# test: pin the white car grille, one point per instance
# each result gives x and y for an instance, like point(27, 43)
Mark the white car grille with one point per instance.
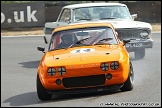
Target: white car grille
point(130, 33)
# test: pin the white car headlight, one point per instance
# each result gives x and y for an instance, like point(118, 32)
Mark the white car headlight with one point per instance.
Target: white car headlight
point(144, 34)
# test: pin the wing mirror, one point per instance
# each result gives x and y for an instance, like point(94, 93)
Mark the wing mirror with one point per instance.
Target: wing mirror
point(134, 16)
point(126, 41)
point(41, 49)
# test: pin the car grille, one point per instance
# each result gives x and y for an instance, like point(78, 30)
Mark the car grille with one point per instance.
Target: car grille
point(83, 81)
point(128, 33)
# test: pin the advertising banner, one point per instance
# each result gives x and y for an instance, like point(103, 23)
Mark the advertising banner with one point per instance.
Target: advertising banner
point(22, 15)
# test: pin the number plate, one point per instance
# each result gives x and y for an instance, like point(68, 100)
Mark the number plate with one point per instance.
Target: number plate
point(134, 45)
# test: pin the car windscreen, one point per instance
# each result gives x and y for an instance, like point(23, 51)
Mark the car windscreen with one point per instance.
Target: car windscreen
point(82, 37)
point(100, 12)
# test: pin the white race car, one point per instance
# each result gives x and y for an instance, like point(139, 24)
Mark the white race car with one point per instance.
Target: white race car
point(115, 13)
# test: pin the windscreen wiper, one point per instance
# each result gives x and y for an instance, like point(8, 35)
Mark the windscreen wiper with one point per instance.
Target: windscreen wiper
point(79, 42)
point(104, 39)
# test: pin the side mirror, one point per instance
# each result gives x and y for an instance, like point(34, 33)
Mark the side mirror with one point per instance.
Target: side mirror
point(41, 49)
point(125, 41)
point(134, 16)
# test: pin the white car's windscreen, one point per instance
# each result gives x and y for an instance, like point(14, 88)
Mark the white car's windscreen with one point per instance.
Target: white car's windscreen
point(99, 13)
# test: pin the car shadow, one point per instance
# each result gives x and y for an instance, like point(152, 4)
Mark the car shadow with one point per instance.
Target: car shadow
point(31, 98)
point(30, 64)
point(22, 99)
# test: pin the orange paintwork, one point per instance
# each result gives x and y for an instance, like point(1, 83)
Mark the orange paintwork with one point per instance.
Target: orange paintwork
point(84, 64)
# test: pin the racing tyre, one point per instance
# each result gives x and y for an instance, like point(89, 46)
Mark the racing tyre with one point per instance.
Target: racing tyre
point(41, 91)
point(140, 53)
point(129, 84)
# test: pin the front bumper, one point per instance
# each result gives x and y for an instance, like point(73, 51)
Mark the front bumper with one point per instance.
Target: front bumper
point(86, 82)
point(89, 76)
point(87, 90)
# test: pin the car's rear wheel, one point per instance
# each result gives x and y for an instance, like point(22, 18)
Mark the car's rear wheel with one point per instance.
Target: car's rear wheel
point(140, 53)
point(41, 91)
point(129, 84)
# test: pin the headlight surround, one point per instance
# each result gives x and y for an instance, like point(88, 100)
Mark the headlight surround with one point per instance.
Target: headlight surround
point(114, 65)
point(104, 66)
point(144, 34)
point(51, 71)
point(61, 70)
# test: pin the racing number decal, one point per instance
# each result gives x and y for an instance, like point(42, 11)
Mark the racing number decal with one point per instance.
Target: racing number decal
point(82, 50)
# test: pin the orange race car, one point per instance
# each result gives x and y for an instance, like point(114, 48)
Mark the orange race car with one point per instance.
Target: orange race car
point(84, 57)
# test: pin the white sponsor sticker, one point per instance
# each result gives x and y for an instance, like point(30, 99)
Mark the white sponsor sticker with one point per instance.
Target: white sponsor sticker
point(82, 50)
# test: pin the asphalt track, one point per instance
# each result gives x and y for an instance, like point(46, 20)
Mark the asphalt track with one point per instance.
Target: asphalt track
point(19, 61)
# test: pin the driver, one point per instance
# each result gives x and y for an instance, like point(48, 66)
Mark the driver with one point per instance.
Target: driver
point(66, 41)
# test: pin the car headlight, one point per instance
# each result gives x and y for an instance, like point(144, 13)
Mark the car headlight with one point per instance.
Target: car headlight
point(144, 34)
point(114, 65)
point(61, 70)
point(104, 66)
point(51, 71)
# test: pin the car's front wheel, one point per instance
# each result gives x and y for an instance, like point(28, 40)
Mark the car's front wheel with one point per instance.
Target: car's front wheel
point(41, 91)
point(140, 53)
point(129, 84)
